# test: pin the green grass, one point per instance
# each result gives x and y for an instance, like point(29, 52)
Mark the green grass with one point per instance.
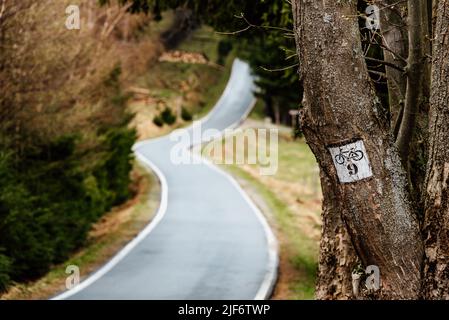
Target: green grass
point(204, 40)
point(166, 79)
point(297, 165)
point(258, 112)
point(215, 91)
point(303, 249)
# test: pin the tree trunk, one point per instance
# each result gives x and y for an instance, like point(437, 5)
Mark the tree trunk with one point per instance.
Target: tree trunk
point(342, 111)
point(394, 36)
point(418, 154)
point(415, 77)
point(277, 113)
point(395, 39)
point(436, 224)
point(337, 255)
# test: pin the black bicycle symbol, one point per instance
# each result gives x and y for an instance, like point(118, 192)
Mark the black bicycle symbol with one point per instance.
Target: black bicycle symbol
point(350, 154)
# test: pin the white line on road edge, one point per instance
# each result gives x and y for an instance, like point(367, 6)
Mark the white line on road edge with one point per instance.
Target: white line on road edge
point(228, 88)
point(131, 245)
point(266, 289)
point(270, 278)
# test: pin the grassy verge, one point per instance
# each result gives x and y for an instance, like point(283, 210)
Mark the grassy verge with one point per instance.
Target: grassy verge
point(177, 85)
point(206, 40)
point(291, 200)
point(258, 112)
point(107, 237)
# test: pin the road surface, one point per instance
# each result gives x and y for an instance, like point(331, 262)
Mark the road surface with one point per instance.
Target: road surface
point(208, 240)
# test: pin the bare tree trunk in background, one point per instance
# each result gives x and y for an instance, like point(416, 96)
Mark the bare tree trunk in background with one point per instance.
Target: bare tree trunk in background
point(394, 36)
point(416, 68)
point(340, 107)
point(436, 224)
point(277, 113)
point(427, 51)
point(418, 154)
point(126, 28)
point(394, 30)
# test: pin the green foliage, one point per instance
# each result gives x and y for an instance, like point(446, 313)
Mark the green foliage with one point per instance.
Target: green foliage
point(186, 115)
point(167, 116)
point(224, 48)
point(65, 147)
point(5, 270)
point(267, 44)
point(158, 121)
point(50, 198)
point(119, 163)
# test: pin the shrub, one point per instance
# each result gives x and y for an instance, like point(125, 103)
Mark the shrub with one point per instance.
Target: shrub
point(224, 48)
point(158, 121)
point(168, 117)
point(186, 115)
point(51, 197)
point(65, 150)
point(5, 269)
point(119, 163)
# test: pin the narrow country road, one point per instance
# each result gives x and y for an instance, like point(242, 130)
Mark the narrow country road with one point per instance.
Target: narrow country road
point(208, 240)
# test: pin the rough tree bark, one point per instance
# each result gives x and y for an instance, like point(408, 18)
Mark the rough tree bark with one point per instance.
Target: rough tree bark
point(436, 224)
point(340, 107)
point(426, 8)
point(418, 153)
point(337, 255)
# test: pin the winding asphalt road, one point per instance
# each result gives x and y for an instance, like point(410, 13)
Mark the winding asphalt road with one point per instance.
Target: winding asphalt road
point(208, 240)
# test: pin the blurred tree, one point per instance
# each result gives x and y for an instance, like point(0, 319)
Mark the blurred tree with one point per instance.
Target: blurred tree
point(261, 31)
point(65, 144)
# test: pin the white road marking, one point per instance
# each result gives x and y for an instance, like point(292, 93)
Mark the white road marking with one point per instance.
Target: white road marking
point(131, 245)
point(270, 278)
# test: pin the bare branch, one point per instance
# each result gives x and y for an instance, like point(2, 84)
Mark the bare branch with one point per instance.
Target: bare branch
point(281, 69)
point(396, 55)
point(385, 63)
point(415, 80)
point(251, 25)
point(380, 74)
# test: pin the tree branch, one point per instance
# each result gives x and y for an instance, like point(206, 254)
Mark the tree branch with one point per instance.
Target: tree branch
point(386, 63)
point(280, 69)
point(396, 55)
point(250, 25)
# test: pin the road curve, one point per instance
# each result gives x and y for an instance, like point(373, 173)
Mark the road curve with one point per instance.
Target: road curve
point(208, 240)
